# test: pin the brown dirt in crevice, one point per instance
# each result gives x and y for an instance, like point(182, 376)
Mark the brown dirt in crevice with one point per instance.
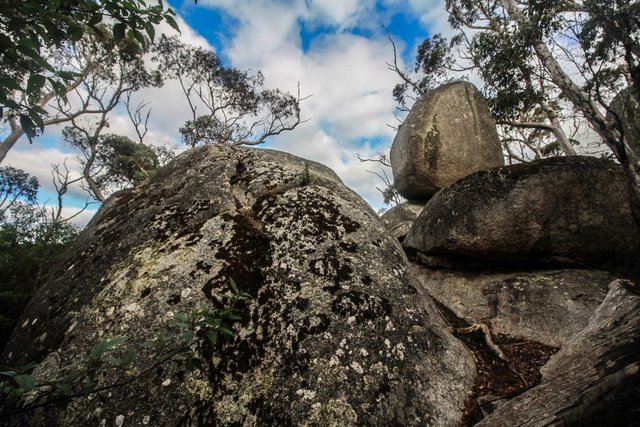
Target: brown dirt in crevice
point(508, 378)
point(505, 378)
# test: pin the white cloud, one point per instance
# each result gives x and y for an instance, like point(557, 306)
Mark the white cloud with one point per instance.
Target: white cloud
point(346, 74)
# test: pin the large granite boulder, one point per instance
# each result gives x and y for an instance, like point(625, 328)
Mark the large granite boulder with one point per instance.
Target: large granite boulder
point(334, 333)
point(448, 134)
point(549, 307)
point(399, 219)
point(562, 211)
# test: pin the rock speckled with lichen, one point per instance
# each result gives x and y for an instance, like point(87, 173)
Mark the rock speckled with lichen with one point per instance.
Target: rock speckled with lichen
point(334, 335)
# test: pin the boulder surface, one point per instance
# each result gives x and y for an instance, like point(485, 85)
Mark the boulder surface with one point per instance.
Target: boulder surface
point(564, 211)
point(448, 134)
point(549, 307)
point(594, 380)
point(334, 333)
point(399, 219)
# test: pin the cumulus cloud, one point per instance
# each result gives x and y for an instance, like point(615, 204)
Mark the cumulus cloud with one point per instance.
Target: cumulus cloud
point(345, 73)
point(343, 70)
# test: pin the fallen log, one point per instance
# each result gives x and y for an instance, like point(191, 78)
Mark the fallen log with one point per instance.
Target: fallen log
point(594, 379)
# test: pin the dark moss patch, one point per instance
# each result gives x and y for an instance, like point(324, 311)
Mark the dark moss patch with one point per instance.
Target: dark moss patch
point(145, 292)
point(244, 258)
point(173, 299)
point(319, 214)
point(351, 247)
point(332, 266)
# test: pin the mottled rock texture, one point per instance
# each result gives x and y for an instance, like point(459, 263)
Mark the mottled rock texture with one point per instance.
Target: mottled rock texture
point(594, 380)
point(448, 134)
point(399, 219)
point(549, 307)
point(334, 333)
point(565, 211)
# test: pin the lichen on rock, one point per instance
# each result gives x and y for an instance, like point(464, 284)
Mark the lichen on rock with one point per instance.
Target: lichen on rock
point(333, 332)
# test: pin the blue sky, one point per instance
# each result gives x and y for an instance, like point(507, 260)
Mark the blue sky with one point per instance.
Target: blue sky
point(335, 50)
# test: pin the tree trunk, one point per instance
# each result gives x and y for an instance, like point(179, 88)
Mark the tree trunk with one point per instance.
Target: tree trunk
point(595, 379)
point(581, 100)
point(8, 143)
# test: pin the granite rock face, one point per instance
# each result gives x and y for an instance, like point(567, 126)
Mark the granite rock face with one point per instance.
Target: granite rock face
point(334, 332)
point(563, 211)
point(549, 307)
point(399, 219)
point(448, 134)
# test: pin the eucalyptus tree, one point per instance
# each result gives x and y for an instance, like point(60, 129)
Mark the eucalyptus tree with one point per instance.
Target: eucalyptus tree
point(31, 30)
point(546, 64)
point(227, 105)
point(109, 86)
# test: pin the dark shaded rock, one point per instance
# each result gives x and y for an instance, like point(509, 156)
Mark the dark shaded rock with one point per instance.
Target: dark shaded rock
point(333, 334)
point(399, 219)
point(564, 211)
point(549, 307)
point(595, 379)
point(448, 134)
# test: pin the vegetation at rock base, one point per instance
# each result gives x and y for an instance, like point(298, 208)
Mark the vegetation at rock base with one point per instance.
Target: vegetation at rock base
point(30, 240)
point(119, 358)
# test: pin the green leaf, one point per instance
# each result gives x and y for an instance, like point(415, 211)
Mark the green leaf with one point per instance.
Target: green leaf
point(28, 126)
point(88, 388)
point(10, 84)
point(151, 31)
point(212, 336)
point(63, 388)
point(172, 22)
point(118, 32)
point(138, 36)
point(35, 84)
point(234, 286)
point(188, 337)
point(129, 357)
point(105, 345)
point(225, 331)
point(26, 382)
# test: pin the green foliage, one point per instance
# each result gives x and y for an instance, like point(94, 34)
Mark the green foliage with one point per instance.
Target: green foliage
point(118, 358)
point(15, 185)
point(29, 242)
point(228, 105)
point(121, 162)
point(306, 175)
point(126, 160)
point(29, 28)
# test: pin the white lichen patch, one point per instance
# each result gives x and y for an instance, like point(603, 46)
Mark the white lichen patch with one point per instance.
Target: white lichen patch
point(306, 394)
point(356, 367)
point(198, 386)
point(185, 293)
point(336, 412)
point(398, 351)
point(234, 408)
